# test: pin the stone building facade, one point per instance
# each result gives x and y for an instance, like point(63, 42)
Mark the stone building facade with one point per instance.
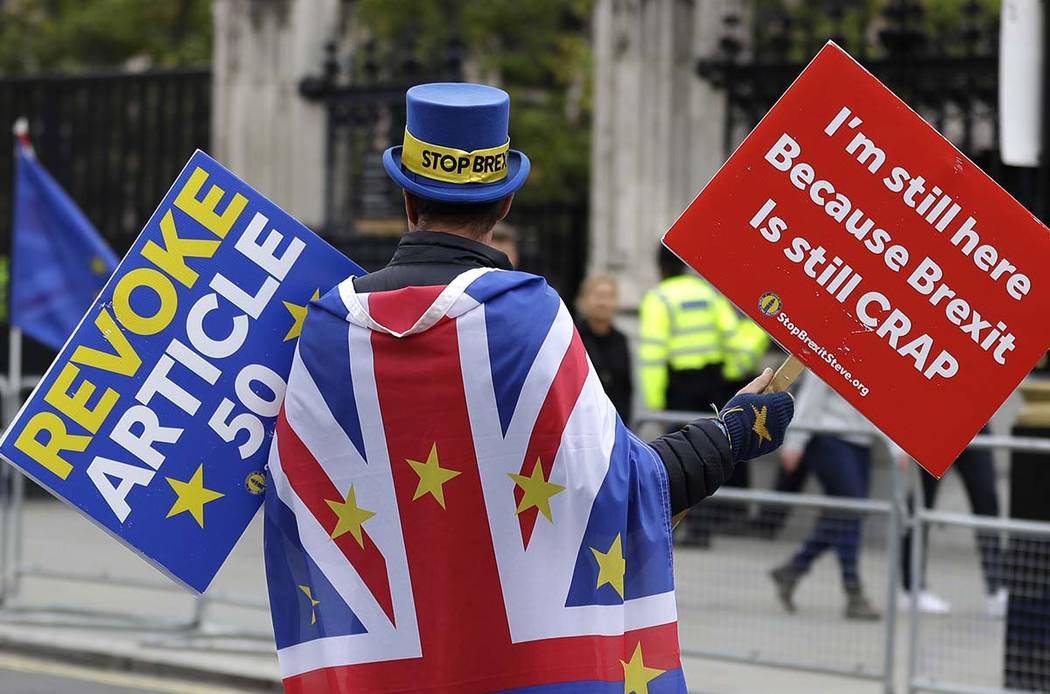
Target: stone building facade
point(658, 128)
point(262, 128)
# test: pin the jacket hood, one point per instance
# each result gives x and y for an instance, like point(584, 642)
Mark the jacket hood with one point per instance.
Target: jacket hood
point(405, 312)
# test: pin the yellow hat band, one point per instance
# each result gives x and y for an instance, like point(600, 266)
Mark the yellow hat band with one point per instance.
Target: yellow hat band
point(454, 165)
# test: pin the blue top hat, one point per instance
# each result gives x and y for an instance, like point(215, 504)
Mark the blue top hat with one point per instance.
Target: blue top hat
point(456, 146)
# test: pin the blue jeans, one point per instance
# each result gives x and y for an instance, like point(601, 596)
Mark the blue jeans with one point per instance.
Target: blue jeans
point(843, 469)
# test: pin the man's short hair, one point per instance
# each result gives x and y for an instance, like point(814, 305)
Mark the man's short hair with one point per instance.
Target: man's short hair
point(478, 217)
point(670, 264)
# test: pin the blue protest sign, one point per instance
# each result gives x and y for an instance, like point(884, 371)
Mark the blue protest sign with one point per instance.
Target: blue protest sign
point(156, 418)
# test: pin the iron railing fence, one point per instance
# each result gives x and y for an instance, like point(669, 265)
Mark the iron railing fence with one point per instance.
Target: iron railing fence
point(114, 141)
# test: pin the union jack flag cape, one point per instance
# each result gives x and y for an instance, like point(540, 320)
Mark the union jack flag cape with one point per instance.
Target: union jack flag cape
point(454, 505)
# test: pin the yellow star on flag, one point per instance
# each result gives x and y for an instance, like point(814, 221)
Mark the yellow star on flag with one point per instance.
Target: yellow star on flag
point(432, 476)
point(98, 265)
point(313, 603)
point(538, 491)
point(636, 676)
point(611, 566)
point(350, 516)
point(192, 495)
point(298, 315)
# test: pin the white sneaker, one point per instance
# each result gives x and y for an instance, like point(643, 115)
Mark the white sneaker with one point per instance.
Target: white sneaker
point(929, 603)
point(995, 604)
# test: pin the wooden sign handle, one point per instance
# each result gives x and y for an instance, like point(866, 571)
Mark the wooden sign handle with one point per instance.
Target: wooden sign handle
point(783, 377)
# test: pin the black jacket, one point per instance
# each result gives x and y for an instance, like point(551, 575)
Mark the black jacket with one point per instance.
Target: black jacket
point(612, 362)
point(697, 456)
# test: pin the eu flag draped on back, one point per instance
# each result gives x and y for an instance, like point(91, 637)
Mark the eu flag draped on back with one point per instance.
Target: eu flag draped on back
point(59, 261)
point(455, 506)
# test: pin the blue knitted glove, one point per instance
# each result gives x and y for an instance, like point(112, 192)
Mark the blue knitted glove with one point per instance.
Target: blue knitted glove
point(756, 423)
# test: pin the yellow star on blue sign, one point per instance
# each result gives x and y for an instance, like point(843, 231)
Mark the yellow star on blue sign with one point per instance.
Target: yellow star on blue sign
point(192, 495)
point(298, 315)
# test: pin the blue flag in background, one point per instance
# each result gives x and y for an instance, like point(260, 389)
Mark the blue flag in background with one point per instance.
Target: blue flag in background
point(59, 261)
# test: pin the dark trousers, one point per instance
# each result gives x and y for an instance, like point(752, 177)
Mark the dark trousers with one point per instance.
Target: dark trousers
point(772, 517)
point(844, 470)
point(1027, 647)
point(792, 481)
point(1027, 643)
point(978, 473)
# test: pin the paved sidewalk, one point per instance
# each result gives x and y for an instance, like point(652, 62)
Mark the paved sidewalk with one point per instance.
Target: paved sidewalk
point(59, 539)
point(725, 603)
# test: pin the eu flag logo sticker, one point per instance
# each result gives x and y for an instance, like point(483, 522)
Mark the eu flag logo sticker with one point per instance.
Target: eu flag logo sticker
point(155, 420)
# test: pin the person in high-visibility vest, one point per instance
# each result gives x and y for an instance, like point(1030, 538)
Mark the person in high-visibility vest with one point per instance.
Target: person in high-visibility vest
point(685, 327)
point(743, 351)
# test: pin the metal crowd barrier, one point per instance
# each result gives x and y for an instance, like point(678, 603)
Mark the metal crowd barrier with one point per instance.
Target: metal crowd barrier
point(14, 569)
point(959, 652)
point(865, 651)
point(985, 441)
point(967, 650)
point(827, 644)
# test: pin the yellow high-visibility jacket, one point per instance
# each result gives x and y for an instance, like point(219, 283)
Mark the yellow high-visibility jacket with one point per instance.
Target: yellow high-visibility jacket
point(685, 324)
point(743, 350)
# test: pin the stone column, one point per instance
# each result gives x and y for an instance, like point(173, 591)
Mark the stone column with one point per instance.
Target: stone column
point(262, 129)
point(657, 129)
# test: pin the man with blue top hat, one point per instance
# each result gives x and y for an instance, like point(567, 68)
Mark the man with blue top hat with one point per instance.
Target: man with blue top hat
point(470, 512)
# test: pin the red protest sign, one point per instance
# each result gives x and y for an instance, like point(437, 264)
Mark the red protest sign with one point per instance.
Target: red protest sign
point(872, 249)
